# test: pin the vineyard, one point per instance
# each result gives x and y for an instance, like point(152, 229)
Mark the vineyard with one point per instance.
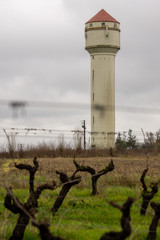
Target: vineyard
point(80, 198)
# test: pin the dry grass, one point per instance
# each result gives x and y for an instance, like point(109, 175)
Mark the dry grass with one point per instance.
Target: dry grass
point(126, 173)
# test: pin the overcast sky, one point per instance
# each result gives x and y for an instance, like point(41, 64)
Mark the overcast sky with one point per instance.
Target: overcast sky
point(42, 58)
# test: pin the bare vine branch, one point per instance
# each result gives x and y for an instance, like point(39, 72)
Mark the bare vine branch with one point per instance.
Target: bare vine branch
point(30, 205)
point(153, 226)
point(95, 176)
point(146, 194)
point(32, 171)
point(42, 226)
point(67, 184)
point(125, 221)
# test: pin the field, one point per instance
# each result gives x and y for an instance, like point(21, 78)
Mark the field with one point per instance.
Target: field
point(81, 216)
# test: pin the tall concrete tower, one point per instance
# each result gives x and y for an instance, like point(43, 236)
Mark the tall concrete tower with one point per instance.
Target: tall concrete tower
point(102, 36)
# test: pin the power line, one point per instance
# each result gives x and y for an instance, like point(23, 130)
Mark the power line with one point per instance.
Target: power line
point(48, 130)
point(36, 129)
point(15, 104)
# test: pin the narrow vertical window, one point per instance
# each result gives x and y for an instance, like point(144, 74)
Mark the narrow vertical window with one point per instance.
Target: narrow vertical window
point(93, 79)
point(93, 119)
point(107, 32)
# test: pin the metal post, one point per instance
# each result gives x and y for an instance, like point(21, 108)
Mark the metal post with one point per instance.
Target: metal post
point(84, 133)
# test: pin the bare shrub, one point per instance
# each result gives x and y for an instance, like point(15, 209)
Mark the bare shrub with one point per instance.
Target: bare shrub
point(11, 143)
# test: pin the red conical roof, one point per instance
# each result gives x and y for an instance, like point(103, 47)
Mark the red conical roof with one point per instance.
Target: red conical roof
point(102, 16)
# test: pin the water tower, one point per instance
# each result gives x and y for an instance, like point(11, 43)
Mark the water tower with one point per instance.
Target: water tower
point(102, 41)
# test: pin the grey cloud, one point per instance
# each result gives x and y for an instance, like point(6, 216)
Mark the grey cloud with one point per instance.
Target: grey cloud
point(42, 56)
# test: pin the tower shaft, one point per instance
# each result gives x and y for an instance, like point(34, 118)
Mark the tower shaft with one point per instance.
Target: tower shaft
point(102, 100)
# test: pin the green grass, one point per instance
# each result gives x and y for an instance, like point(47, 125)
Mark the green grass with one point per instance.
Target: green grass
point(81, 216)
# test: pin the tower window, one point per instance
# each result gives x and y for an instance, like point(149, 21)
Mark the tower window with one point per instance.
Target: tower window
point(93, 74)
point(115, 25)
point(107, 32)
point(90, 25)
point(93, 119)
point(103, 24)
point(92, 56)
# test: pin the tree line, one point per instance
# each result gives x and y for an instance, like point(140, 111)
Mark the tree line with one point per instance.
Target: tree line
point(129, 141)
